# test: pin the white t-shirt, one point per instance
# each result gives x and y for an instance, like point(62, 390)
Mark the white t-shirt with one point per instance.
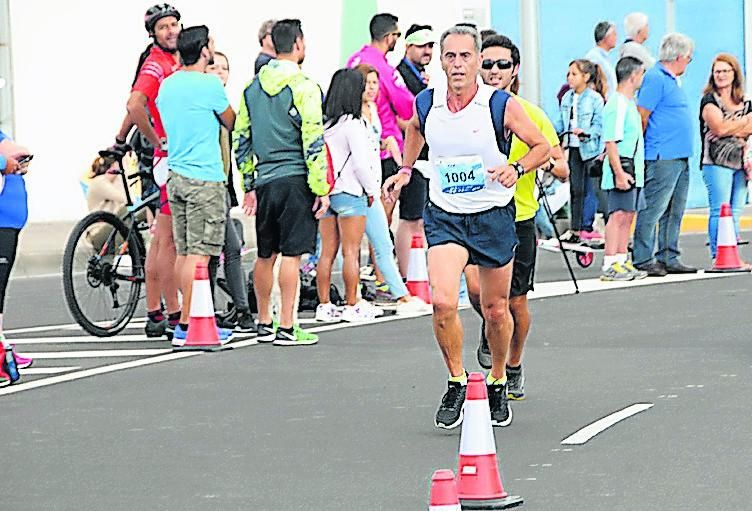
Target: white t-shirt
point(574, 140)
point(462, 147)
point(374, 138)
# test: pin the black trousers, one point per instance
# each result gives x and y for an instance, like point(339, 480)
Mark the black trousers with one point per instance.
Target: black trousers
point(8, 247)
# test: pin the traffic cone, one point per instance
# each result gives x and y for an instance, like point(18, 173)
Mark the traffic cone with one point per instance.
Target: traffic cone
point(417, 272)
point(727, 256)
point(478, 480)
point(443, 492)
point(202, 326)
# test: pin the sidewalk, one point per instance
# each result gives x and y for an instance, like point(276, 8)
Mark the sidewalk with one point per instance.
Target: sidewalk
point(41, 245)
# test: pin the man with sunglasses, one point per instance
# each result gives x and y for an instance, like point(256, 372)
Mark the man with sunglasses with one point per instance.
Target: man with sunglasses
point(500, 66)
point(469, 219)
point(394, 99)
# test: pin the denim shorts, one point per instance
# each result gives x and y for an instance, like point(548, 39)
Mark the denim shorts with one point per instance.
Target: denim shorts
point(345, 205)
point(625, 200)
point(490, 236)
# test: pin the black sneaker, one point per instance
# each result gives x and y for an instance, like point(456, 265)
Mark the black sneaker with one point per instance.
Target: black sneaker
point(516, 383)
point(449, 414)
point(245, 323)
point(570, 237)
point(501, 412)
point(484, 352)
point(227, 320)
point(265, 333)
point(155, 328)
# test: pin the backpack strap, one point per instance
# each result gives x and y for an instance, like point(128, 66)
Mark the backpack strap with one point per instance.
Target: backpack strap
point(498, 105)
point(423, 104)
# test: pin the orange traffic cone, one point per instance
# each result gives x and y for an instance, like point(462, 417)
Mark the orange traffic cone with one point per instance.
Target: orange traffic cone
point(202, 327)
point(417, 272)
point(478, 480)
point(443, 492)
point(727, 256)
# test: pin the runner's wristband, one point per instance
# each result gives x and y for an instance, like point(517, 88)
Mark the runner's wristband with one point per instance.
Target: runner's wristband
point(408, 171)
point(519, 168)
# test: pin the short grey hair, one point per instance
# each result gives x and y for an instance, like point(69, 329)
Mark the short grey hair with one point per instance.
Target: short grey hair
point(634, 22)
point(601, 30)
point(461, 30)
point(266, 28)
point(675, 45)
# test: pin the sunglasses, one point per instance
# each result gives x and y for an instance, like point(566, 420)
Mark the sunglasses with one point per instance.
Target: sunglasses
point(398, 34)
point(502, 64)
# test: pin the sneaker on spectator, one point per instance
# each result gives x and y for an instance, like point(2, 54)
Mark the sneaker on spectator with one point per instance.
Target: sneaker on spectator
point(616, 273)
point(224, 334)
point(375, 311)
point(155, 328)
point(367, 273)
point(298, 337)
point(590, 235)
point(384, 298)
point(636, 274)
point(179, 337)
point(265, 333)
point(357, 313)
point(21, 362)
point(570, 237)
point(413, 305)
point(327, 312)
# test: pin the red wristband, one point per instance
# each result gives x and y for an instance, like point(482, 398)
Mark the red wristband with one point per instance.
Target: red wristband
point(408, 171)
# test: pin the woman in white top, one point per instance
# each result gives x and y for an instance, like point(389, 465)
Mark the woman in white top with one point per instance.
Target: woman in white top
point(353, 193)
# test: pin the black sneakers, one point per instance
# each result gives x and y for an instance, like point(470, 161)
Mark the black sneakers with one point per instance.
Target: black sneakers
point(245, 323)
point(501, 412)
point(449, 414)
point(516, 383)
point(155, 328)
point(484, 352)
point(265, 333)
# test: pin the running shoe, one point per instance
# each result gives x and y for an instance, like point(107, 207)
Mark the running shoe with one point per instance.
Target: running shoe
point(5, 379)
point(244, 322)
point(327, 312)
point(375, 311)
point(449, 414)
point(590, 235)
point(413, 305)
point(367, 273)
point(498, 402)
point(357, 313)
point(265, 333)
point(180, 336)
point(636, 274)
point(516, 383)
point(616, 273)
point(570, 237)
point(155, 328)
point(484, 352)
point(285, 337)
point(8, 366)
point(21, 362)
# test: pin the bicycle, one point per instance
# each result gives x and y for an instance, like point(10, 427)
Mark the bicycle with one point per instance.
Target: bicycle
point(104, 261)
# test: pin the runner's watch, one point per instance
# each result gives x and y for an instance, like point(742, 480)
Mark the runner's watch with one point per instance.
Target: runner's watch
point(519, 168)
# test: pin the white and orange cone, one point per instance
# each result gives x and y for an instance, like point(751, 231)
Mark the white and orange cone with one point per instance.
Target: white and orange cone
point(202, 327)
point(443, 492)
point(727, 256)
point(417, 270)
point(478, 480)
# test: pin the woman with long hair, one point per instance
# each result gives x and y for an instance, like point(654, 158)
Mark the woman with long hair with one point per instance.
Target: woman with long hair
point(353, 193)
point(581, 121)
point(725, 126)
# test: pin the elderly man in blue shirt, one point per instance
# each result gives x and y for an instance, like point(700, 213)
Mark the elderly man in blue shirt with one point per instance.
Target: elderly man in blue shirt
point(669, 136)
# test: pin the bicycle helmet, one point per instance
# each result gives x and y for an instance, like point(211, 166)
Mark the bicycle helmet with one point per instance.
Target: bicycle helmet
point(156, 13)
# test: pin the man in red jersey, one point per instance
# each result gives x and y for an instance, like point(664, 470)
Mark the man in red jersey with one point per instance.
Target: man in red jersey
point(162, 22)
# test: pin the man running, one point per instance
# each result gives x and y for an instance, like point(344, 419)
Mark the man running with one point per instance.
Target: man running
point(470, 215)
point(500, 66)
point(279, 146)
point(162, 22)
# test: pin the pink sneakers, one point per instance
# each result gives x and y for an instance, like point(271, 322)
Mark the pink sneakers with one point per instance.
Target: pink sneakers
point(590, 235)
point(21, 362)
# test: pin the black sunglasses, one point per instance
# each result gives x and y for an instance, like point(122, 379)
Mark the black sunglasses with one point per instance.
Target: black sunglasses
point(488, 64)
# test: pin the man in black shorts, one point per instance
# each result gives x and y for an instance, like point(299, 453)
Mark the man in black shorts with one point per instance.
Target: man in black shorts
point(280, 126)
point(419, 41)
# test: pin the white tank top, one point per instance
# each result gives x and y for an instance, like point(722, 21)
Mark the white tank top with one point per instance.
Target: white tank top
point(462, 147)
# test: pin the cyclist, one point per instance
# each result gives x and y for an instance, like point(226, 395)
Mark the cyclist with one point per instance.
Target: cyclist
point(162, 22)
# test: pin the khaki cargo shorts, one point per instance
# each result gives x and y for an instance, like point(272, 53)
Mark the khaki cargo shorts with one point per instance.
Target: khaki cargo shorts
point(198, 215)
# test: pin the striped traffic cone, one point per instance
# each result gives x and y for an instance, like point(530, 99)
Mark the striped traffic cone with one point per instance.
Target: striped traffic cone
point(443, 492)
point(478, 480)
point(727, 257)
point(417, 271)
point(202, 326)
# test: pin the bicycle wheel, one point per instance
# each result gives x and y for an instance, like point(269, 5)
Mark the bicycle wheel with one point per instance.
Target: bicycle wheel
point(102, 274)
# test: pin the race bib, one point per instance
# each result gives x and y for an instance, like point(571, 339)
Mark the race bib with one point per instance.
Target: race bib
point(160, 170)
point(461, 174)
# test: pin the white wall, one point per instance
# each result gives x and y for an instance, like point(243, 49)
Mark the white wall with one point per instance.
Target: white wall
point(73, 66)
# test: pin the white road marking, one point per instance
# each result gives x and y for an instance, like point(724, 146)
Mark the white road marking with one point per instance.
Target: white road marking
point(47, 370)
point(589, 431)
point(95, 371)
point(95, 353)
point(89, 340)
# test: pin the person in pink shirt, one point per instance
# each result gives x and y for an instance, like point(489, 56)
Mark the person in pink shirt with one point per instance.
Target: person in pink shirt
point(394, 100)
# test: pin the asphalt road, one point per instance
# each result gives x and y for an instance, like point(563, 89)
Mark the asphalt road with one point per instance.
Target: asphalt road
point(347, 424)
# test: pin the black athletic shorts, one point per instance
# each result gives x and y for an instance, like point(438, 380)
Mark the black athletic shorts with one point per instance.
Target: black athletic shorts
point(413, 197)
point(285, 222)
point(523, 271)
